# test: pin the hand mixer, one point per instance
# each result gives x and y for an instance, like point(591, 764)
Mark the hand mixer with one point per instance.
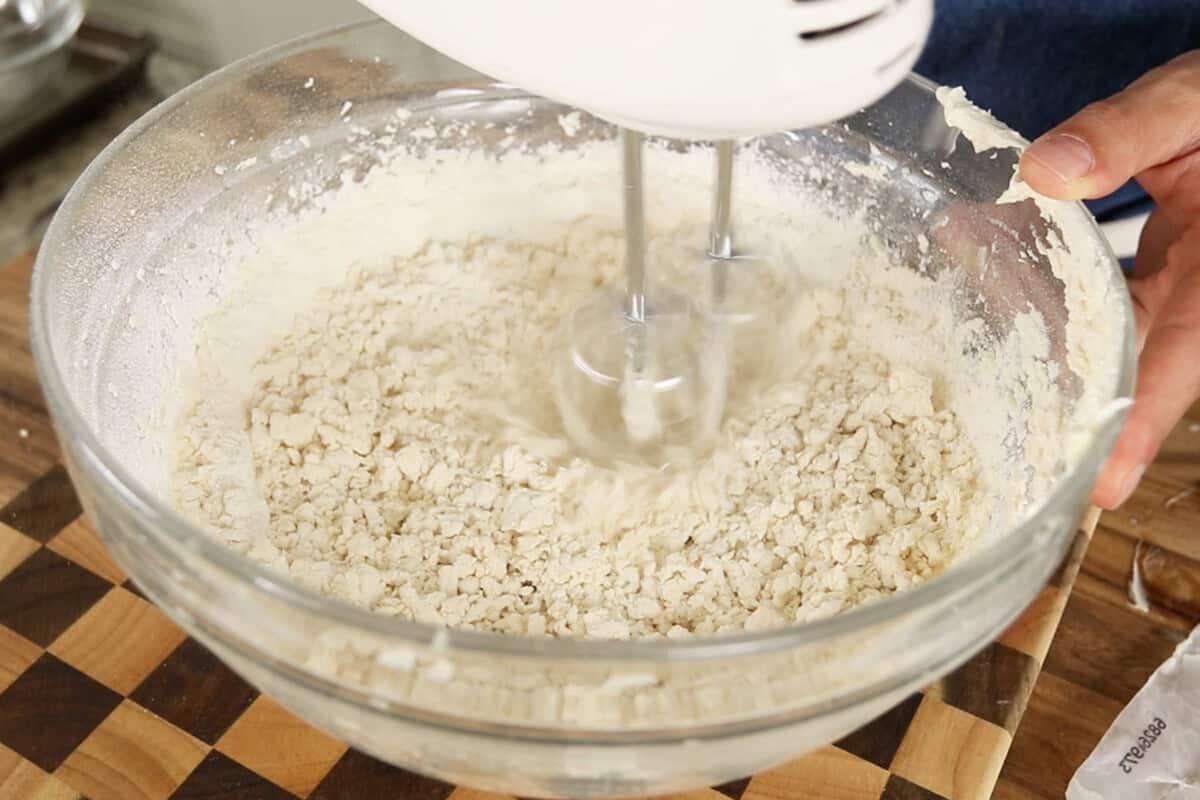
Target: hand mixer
point(691, 69)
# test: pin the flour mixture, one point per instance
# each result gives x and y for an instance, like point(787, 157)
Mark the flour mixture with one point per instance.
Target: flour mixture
point(387, 435)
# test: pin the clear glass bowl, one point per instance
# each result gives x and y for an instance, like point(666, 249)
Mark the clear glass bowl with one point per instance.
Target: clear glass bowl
point(523, 716)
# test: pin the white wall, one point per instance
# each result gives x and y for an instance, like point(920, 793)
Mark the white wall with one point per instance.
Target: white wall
point(211, 33)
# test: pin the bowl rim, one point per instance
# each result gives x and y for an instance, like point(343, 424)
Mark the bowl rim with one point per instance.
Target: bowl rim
point(161, 519)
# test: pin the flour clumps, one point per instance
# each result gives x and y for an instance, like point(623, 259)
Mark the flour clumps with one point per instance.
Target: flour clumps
point(399, 448)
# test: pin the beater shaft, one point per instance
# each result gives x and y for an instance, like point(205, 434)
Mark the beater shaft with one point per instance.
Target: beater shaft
point(635, 227)
point(720, 246)
point(721, 238)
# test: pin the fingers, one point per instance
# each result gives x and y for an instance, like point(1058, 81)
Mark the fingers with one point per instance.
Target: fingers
point(1150, 131)
point(1152, 122)
point(1169, 370)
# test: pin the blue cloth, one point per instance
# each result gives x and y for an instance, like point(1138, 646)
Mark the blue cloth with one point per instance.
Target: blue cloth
point(1034, 63)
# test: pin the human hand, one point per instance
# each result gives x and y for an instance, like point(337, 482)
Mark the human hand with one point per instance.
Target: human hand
point(1151, 132)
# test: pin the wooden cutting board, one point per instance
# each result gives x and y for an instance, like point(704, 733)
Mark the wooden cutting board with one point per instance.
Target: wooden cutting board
point(102, 696)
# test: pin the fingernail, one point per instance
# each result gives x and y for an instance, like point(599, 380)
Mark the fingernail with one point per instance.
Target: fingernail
point(1130, 483)
point(1068, 157)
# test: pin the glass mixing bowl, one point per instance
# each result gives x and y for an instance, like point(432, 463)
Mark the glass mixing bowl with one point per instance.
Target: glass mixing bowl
point(151, 223)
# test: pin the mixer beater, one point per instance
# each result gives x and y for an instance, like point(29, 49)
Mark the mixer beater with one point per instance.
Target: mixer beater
point(646, 371)
point(658, 392)
point(635, 372)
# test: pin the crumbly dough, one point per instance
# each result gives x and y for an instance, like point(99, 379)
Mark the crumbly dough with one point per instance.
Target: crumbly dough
point(404, 439)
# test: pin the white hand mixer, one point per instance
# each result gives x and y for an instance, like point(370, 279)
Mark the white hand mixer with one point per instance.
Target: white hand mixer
point(692, 69)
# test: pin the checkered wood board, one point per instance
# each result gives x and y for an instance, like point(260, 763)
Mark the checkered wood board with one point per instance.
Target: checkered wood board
point(103, 697)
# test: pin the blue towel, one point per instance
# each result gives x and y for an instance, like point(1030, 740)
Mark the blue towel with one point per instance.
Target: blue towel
point(1034, 63)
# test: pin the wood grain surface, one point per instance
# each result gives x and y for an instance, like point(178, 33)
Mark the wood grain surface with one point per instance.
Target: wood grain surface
point(27, 445)
point(1105, 649)
point(188, 727)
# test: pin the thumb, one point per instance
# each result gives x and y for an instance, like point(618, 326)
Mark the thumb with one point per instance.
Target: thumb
point(1155, 120)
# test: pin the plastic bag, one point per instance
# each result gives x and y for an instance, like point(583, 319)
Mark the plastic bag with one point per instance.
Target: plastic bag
point(1152, 750)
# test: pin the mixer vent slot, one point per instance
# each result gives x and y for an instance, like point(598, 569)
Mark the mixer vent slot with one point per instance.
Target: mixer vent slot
point(820, 33)
point(810, 36)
